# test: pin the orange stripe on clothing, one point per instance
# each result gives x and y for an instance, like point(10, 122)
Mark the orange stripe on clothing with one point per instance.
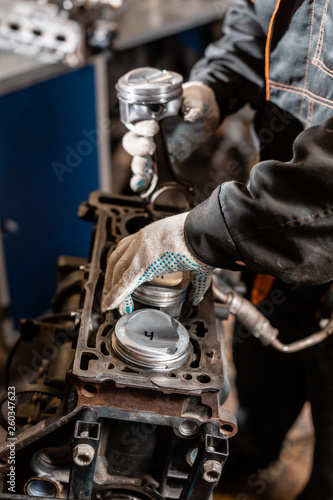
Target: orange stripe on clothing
point(261, 288)
point(268, 44)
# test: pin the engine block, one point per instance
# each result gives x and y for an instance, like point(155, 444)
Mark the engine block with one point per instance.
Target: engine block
point(95, 425)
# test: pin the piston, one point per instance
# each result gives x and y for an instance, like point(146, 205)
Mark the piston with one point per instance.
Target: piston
point(151, 340)
point(154, 94)
point(166, 293)
point(149, 93)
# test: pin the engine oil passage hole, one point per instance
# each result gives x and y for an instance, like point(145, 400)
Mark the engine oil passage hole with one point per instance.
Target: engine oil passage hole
point(105, 332)
point(87, 360)
point(89, 390)
point(14, 27)
point(227, 428)
point(203, 378)
point(196, 356)
point(187, 376)
point(194, 312)
point(172, 375)
point(61, 38)
point(37, 32)
point(200, 330)
point(110, 366)
point(115, 212)
point(104, 349)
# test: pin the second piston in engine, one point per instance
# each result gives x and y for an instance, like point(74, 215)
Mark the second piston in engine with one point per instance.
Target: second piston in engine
point(166, 293)
point(151, 340)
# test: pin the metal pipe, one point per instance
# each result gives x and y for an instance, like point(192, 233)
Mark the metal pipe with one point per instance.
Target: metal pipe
point(299, 345)
point(259, 326)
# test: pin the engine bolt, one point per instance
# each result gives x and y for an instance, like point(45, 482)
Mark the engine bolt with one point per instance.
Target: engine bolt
point(83, 454)
point(211, 470)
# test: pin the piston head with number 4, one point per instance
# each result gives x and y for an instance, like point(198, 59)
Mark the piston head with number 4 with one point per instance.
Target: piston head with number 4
point(151, 340)
point(149, 93)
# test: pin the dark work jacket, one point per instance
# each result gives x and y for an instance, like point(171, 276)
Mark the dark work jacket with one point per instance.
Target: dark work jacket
point(277, 56)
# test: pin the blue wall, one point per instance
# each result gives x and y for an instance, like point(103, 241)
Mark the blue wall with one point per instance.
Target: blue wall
point(48, 166)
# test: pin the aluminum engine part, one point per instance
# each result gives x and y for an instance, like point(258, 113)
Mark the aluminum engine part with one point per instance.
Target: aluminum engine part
point(149, 93)
point(39, 31)
point(151, 340)
point(117, 430)
point(166, 293)
point(202, 372)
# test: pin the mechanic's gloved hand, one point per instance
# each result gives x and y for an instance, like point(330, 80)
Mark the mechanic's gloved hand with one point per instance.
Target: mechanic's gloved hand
point(200, 119)
point(157, 249)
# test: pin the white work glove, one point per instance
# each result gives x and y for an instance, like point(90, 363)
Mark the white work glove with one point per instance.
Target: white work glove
point(201, 118)
point(157, 249)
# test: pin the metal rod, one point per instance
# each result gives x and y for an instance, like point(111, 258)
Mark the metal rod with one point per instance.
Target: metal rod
point(259, 326)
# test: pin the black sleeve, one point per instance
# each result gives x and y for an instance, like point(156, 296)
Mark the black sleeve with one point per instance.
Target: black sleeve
point(234, 65)
point(281, 222)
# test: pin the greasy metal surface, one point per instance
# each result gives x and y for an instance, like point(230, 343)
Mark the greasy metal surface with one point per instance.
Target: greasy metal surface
point(116, 217)
point(160, 408)
point(38, 431)
point(172, 411)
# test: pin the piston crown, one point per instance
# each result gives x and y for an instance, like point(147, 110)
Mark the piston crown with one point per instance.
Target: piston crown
point(149, 86)
point(151, 340)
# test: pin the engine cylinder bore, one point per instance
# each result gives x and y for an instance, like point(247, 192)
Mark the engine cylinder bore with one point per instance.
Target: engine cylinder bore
point(131, 448)
point(166, 293)
point(55, 457)
point(151, 340)
point(41, 487)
